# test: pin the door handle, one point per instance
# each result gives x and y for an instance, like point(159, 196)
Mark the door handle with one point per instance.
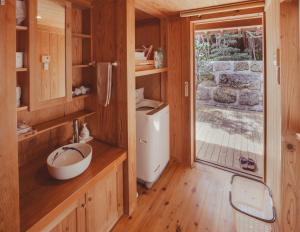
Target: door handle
point(186, 88)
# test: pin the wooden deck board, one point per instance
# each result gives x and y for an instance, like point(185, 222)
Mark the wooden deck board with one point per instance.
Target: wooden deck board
point(224, 139)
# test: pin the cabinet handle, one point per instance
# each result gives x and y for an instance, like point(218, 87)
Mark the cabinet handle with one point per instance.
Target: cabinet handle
point(82, 205)
point(90, 199)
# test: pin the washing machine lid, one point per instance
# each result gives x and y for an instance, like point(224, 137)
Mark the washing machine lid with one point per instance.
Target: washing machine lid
point(148, 104)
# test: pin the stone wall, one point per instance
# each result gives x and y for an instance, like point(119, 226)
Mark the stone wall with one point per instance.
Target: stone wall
point(231, 84)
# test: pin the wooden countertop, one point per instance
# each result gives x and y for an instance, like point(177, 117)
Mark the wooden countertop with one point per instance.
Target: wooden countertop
point(44, 197)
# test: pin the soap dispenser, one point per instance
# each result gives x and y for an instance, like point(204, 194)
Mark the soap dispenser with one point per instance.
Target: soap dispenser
point(85, 133)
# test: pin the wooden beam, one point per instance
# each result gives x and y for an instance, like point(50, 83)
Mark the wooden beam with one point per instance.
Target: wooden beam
point(126, 98)
point(229, 24)
point(150, 10)
point(228, 14)
point(223, 8)
point(9, 174)
point(115, 124)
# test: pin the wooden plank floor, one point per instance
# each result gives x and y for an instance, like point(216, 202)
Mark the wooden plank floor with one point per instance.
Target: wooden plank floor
point(223, 136)
point(183, 200)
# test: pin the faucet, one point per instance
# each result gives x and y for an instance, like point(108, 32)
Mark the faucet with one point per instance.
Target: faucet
point(75, 131)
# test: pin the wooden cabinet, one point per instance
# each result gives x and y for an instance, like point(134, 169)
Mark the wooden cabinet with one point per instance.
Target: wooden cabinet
point(105, 202)
point(98, 210)
point(50, 54)
point(72, 220)
point(56, 42)
point(68, 224)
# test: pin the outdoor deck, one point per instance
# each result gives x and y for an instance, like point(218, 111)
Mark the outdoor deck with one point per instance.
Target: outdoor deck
point(224, 135)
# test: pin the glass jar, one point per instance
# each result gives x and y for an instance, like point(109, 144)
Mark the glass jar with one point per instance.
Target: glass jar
point(159, 58)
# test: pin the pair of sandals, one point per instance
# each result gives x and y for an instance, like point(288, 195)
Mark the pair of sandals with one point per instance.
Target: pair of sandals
point(248, 164)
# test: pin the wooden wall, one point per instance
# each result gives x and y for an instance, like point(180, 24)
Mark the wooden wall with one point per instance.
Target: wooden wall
point(289, 20)
point(290, 217)
point(115, 41)
point(283, 110)
point(9, 189)
point(45, 143)
point(290, 85)
point(148, 33)
point(273, 102)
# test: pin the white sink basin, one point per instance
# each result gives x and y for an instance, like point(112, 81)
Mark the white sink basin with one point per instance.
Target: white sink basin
point(69, 161)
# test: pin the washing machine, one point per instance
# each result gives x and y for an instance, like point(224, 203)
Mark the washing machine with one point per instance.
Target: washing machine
point(153, 149)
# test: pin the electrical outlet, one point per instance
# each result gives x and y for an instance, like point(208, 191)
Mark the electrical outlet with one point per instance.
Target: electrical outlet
point(2, 2)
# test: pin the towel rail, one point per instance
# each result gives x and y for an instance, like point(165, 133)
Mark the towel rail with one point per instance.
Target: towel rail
point(93, 63)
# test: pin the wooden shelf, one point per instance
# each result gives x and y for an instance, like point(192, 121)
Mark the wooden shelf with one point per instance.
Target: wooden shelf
point(22, 108)
point(43, 196)
point(47, 126)
point(83, 36)
point(82, 66)
point(22, 69)
point(150, 72)
point(81, 96)
point(21, 28)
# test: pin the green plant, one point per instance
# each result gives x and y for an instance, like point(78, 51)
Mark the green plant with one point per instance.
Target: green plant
point(202, 49)
point(234, 46)
point(225, 48)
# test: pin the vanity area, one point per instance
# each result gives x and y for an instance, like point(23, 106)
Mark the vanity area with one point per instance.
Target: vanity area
point(92, 201)
point(57, 84)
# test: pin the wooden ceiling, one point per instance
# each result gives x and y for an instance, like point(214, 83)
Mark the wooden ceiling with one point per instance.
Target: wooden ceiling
point(170, 7)
point(141, 15)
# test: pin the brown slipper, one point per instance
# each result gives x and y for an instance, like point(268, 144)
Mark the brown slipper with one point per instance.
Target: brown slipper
point(243, 162)
point(251, 165)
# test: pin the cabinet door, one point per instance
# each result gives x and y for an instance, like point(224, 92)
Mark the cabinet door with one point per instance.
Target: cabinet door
point(72, 220)
point(67, 224)
point(105, 202)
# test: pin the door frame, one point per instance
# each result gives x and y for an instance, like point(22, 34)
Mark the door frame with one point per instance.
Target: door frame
point(245, 21)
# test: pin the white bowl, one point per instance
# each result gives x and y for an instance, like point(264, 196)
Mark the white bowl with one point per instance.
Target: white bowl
point(69, 161)
point(298, 136)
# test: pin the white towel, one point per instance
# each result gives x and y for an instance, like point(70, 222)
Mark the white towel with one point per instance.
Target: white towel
point(104, 83)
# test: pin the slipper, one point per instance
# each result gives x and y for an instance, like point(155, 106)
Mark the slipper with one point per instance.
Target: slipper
point(251, 165)
point(243, 162)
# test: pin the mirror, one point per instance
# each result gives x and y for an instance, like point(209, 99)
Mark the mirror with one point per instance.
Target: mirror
point(51, 50)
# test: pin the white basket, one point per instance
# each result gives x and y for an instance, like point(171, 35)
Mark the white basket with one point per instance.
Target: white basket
point(253, 205)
